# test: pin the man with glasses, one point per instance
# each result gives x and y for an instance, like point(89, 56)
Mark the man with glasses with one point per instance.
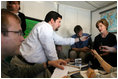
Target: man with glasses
point(11, 39)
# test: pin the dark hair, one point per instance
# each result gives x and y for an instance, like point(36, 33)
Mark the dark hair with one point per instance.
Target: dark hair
point(52, 15)
point(104, 22)
point(9, 3)
point(5, 14)
point(77, 29)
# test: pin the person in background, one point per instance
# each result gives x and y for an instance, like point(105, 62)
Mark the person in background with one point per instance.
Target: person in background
point(111, 72)
point(14, 6)
point(60, 54)
point(59, 49)
point(11, 39)
point(81, 48)
point(39, 46)
point(104, 39)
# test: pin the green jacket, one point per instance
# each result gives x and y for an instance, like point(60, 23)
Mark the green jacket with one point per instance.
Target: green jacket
point(21, 70)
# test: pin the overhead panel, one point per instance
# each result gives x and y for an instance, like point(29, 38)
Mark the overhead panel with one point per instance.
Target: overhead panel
point(90, 5)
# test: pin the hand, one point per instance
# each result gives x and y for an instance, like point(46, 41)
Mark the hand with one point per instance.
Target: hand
point(67, 60)
point(83, 38)
point(91, 73)
point(57, 63)
point(85, 49)
point(108, 49)
point(94, 52)
point(72, 60)
point(77, 40)
point(104, 54)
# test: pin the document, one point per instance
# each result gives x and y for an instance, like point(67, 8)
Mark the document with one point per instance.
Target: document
point(59, 73)
point(72, 69)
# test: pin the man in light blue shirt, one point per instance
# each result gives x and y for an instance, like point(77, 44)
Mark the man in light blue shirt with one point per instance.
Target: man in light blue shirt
point(39, 46)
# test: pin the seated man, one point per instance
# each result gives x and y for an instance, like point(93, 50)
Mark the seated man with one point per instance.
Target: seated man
point(80, 48)
point(111, 71)
point(11, 39)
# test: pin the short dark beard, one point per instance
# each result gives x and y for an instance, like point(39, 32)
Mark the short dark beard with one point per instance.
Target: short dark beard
point(56, 29)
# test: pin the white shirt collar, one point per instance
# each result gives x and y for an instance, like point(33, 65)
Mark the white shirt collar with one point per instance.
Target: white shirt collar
point(48, 25)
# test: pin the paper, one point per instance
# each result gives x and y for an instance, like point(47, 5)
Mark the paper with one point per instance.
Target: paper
point(83, 73)
point(59, 73)
point(72, 69)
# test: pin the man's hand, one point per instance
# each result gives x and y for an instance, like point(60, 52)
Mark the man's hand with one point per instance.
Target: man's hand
point(108, 49)
point(83, 38)
point(91, 73)
point(67, 60)
point(57, 63)
point(85, 49)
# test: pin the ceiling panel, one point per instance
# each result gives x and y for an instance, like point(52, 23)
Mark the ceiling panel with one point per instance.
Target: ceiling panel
point(90, 5)
point(79, 4)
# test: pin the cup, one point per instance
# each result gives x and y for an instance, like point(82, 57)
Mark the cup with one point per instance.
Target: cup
point(78, 62)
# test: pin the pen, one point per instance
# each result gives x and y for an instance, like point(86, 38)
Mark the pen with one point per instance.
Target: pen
point(74, 71)
point(89, 64)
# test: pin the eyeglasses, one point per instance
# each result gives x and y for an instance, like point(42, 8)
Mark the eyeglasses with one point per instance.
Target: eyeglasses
point(20, 33)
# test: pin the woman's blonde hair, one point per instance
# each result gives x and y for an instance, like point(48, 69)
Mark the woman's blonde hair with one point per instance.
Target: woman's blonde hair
point(103, 21)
